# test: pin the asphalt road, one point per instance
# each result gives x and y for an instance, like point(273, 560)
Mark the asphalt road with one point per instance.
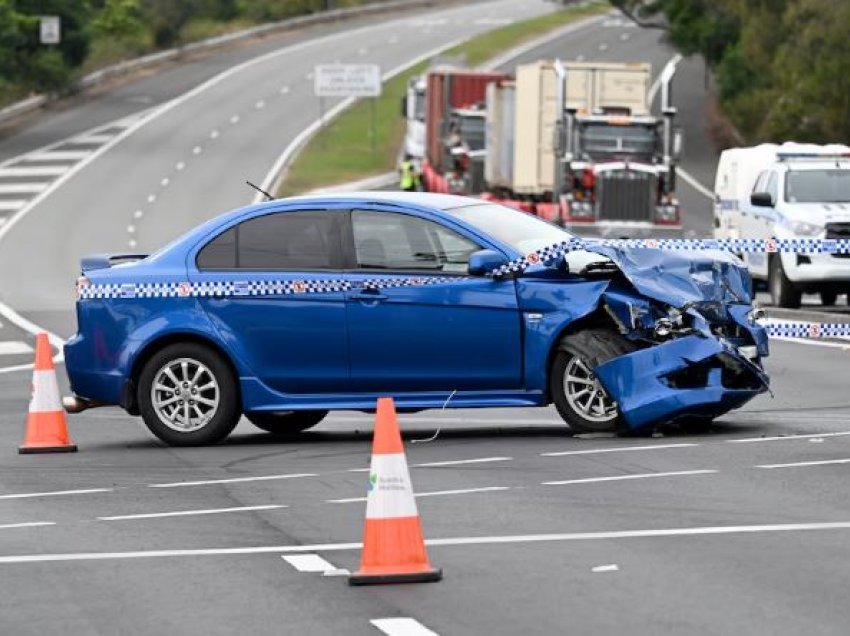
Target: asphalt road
point(740, 527)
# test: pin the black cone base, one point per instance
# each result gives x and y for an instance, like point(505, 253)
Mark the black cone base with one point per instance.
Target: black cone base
point(35, 450)
point(387, 579)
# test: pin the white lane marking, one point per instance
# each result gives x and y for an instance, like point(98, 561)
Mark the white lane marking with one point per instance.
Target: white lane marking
point(92, 139)
point(20, 367)
point(454, 420)
point(814, 343)
point(624, 36)
point(31, 524)
point(580, 58)
point(11, 348)
point(656, 84)
point(776, 438)
point(138, 214)
point(34, 171)
point(308, 563)
point(402, 627)
point(825, 462)
point(58, 155)
point(260, 104)
point(233, 480)
point(132, 243)
point(592, 451)
point(591, 480)
point(23, 188)
point(436, 493)
point(151, 198)
point(12, 205)
point(696, 185)
point(606, 568)
point(22, 323)
point(214, 134)
point(283, 90)
point(196, 150)
point(459, 462)
point(451, 541)
point(362, 51)
point(57, 493)
point(189, 513)
point(164, 182)
point(131, 229)
point(603, 47)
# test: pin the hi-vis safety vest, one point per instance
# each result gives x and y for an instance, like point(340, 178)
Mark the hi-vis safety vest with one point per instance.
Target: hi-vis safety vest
point(407, 178)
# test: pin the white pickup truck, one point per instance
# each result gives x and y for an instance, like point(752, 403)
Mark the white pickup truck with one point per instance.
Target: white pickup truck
point(788, 191)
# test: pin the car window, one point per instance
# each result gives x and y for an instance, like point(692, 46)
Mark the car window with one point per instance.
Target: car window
point(279, 241)
point(772, 187)
point(761, 182)
point(384, 240)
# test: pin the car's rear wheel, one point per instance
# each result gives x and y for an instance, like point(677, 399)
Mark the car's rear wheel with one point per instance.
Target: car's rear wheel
point(188, 395)
point(782, 290)
point(285, 423)
point(579, 397)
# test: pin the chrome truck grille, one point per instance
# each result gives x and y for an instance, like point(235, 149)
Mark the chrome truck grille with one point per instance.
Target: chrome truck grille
point(625, 195)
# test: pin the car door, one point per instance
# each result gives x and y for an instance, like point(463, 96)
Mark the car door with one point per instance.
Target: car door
point(267, 296)
point(416, 320)
point(756, 224)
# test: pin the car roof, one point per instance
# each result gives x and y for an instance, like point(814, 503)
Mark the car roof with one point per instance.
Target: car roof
point(424, 199)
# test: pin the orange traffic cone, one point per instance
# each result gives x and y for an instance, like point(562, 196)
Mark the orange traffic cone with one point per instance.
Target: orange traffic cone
point(46, 428)
point(393, 547)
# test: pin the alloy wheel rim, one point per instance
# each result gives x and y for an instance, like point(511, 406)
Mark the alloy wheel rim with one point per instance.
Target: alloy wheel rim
point(185, 395)
point(584, 393)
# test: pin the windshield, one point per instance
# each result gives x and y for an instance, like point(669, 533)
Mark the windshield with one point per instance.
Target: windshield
point(605, 139)
point(472, 132)
point(523, 232)
point(419, 105)
point(817, 186)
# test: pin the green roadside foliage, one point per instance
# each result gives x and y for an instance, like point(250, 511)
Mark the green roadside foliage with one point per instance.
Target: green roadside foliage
point(343, 150)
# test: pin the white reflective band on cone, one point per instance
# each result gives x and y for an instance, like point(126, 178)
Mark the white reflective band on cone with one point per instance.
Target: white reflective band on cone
point(45, 393)
point(390, 491)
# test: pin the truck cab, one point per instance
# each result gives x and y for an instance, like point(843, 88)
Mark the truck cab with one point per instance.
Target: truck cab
point(413, 111)
point(787, 192)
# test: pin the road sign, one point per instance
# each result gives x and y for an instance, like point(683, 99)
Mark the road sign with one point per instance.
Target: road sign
point(50, 31)
point(348, 80)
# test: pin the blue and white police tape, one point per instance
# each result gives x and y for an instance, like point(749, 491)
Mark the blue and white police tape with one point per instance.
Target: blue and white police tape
point(807, 329)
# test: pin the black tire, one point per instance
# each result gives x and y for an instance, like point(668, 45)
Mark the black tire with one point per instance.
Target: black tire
point(591, 348)
point(224, 416)
point(286, 422)
point(828, 298)
point(782, 291)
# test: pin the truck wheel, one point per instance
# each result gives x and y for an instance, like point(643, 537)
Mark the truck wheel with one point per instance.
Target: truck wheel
point(782, 291)
point(188, 395)
point(827, 299)
point(575, 390)
point(284, 423)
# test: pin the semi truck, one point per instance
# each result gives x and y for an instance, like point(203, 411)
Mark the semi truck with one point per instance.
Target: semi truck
point(586, 150)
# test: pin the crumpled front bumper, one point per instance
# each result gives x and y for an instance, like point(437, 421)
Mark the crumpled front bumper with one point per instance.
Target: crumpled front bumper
point(692, 375)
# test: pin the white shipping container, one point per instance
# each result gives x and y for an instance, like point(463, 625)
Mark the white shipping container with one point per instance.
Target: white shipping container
point(594, 86)
point(534, 128)
point(499, 160)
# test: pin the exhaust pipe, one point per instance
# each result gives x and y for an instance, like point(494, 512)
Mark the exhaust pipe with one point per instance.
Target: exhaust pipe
point(75, 404)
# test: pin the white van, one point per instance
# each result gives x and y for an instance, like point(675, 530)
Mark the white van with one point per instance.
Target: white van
point(788, 191)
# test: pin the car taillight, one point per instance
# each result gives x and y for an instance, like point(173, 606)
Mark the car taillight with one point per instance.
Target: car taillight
point(667, 214)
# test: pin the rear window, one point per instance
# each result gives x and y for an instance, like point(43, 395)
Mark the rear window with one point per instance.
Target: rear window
point(280, 241)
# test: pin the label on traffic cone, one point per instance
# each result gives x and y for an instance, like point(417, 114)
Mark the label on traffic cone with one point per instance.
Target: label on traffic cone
point(47, 431)
point(393, 547)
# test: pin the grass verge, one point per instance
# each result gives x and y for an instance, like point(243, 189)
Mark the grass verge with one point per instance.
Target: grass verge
point(343, 150)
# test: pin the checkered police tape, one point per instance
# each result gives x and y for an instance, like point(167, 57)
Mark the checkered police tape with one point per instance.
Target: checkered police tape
point(808, 329)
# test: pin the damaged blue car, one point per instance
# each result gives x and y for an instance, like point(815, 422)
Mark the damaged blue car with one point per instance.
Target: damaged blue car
point(286, 310)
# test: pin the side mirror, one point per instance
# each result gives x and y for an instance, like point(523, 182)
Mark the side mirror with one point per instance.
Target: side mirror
point(678, 143)
point(404, 107)
point(485, 261)
point(762, 199)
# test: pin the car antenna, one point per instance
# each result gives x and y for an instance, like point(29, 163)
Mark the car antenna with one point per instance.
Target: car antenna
point(261, 191)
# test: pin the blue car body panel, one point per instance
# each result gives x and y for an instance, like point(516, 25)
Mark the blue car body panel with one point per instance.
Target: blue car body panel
point(482, 342)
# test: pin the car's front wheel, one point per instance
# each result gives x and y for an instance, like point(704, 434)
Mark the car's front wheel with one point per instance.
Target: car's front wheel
point(286, 422)
point(188, 395)
point(782, 290)
point(579, 397)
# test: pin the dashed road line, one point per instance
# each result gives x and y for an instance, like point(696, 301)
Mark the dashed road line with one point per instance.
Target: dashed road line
point(189, 513)
point(232, 480)
point(308, 563)
point(825, 462)
point(591, 480)
point(57, 493)
point(402, 627)
point(777, 438)
point(460, 462)
point(437, 493)
point(31, 524)
point(619, 449)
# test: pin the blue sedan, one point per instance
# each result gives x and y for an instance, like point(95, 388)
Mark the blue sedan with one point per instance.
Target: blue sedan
point(286, 310)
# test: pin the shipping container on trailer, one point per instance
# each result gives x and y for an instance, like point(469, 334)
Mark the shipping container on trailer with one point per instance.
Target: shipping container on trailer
point(501, 110)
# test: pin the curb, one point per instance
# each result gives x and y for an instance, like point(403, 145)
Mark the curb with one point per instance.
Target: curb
point(32, 104)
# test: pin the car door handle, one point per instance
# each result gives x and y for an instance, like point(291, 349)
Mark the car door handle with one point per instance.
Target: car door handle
point(366, 296)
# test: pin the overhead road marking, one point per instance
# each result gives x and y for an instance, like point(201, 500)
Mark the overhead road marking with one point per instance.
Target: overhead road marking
point(451, 541)
point(438, 493)
point(308, 563)
point(826, 462)
point(188, 513)
point(591, 480)
point(34, 171)
point(23, 188)
point(593, 451)
point(402, 627)
point(776, 438)
point(57, 493)
point(232, 480)
point(12, 205)
point(31, 524)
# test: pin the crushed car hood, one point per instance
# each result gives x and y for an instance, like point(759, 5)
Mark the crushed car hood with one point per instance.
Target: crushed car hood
point(679, 278)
